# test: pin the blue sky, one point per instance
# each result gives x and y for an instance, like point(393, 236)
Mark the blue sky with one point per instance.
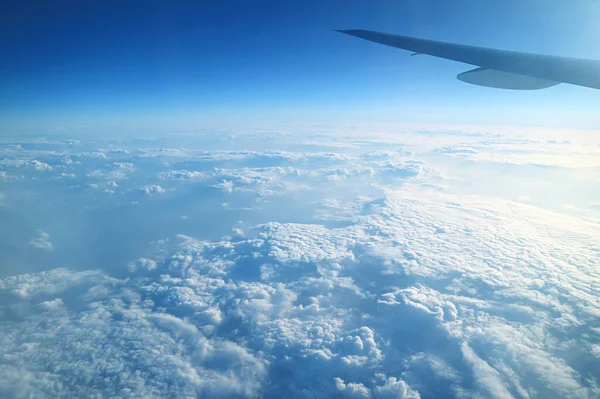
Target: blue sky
point(194, 64)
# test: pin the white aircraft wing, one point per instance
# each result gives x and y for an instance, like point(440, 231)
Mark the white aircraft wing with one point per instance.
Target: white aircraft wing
point(498, 68)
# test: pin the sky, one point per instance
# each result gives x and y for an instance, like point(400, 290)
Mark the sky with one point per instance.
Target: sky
point(149, 64)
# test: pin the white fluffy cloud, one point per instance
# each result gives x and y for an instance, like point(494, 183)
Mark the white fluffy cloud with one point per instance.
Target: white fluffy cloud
point(114, 171)
point(364, 274)
point(416, 298)
point(40, 166)
point(118, 344)
point(180, 175)
point(152, 189)
point(42, 241)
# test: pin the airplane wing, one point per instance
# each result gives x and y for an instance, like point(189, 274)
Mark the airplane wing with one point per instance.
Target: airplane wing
point(497, 68)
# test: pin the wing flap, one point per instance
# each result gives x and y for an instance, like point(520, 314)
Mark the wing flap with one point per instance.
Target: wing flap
point(504, 80)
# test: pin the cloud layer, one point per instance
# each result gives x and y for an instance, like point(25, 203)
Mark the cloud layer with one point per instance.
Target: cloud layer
point(367, 267)
point(418, 297)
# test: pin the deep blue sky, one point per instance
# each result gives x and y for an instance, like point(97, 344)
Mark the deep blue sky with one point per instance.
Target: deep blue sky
point(189, 64)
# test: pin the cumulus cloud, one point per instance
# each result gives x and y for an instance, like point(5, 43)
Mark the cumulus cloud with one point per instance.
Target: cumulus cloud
point(42, 241)
point(40, 166)
point(117, 344)
point(352, 389)
point(116, 171)
point(127, 166)
point(416, 298)
point(152, 189)
point(180, 175)
point(355, 280)
point(143, 264)
point(45, 284)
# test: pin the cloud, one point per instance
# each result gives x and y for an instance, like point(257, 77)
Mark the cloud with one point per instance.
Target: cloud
point(42, 241)
point(526, 152)
point(225, 185)
point(352, 390)
point(456, 149)
point(116, 344)
point(355, 279)
point(397, 389)
point(405, 169)
point(180, 175)
point(44, 284)
point(40, 166)
point(416, 297)
point(107, 175)
point(116, 171)
point(68, 175)
point(143, 264)
point(152, 189)
point(127, 166)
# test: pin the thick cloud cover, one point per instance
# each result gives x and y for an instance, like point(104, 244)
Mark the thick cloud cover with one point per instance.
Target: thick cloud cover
point(350, 272)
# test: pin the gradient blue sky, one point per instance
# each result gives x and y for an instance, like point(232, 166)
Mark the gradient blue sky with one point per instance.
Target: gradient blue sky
point(77, 65)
